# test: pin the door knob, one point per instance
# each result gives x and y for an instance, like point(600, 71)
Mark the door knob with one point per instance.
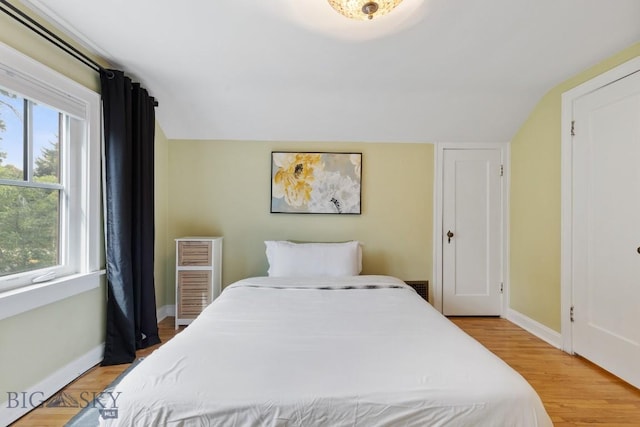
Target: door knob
point(449, 236)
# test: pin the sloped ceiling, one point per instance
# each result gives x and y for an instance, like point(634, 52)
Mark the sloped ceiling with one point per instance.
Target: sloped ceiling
point(432, 70)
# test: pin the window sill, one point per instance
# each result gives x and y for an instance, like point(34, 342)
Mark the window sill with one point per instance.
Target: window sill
point(16, 301)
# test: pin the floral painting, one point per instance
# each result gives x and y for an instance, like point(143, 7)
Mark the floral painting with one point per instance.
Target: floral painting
point(327, 183)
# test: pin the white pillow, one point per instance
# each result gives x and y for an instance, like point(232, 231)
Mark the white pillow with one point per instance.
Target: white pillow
point(288, 259)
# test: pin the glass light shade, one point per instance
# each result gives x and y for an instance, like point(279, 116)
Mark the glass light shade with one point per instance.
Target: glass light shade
point(363, 9)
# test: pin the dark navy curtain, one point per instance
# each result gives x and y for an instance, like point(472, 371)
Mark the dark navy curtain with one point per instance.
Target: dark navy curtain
point(129, 120)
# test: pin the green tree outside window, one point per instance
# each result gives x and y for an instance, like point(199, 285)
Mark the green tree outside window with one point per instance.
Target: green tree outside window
point(29, 216)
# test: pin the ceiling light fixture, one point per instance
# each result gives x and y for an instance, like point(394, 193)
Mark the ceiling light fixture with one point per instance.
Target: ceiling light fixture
point(363, 9)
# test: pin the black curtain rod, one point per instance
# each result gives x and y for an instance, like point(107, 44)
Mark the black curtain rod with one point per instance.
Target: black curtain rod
point(43, 32)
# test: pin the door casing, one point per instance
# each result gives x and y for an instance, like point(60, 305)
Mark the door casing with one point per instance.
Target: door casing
point(437, 215)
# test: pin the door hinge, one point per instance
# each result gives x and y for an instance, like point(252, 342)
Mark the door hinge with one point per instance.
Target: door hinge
point(501, 170)
point(573, 128)
point(571, 313)
point(501, 287)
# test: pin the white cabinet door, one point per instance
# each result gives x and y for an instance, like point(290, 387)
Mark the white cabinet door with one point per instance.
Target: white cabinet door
point(472, 232)
point(606, 228)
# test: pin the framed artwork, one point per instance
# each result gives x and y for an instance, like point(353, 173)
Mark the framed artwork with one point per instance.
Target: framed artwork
point(316, 183)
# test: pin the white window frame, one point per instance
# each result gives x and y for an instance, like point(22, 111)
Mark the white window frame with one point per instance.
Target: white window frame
point(30, 79)
point(69, 208)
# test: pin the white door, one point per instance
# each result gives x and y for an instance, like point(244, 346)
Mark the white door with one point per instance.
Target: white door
point(472, 232)
point(606, 224)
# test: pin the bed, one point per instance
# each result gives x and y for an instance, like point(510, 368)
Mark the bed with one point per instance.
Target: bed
point(356, 350)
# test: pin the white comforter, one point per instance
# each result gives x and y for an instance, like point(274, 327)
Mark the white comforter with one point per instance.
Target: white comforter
point(286, 352)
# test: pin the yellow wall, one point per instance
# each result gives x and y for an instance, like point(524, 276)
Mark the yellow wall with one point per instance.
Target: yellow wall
point(37, 343)
point(163, 282)
point(535, 202)
point(223, 188)
point(20, 38)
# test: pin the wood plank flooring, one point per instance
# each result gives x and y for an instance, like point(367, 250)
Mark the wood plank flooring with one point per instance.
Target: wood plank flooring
point(574, 391)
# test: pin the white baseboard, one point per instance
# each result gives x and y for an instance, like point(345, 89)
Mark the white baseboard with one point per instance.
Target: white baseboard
point(536, 328)
point(166, 311)
point(25, 400)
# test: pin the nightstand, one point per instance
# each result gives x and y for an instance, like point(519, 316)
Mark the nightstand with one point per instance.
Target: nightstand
point(198, 276)
point(421, 287)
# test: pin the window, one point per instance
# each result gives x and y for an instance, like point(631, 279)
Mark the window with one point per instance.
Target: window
point(33, 192)
point(49, 174)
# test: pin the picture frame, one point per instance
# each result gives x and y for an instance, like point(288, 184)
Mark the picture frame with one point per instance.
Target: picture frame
point(316, 182)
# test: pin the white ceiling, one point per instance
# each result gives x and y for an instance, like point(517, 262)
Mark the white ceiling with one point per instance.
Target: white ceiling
point(431, 70)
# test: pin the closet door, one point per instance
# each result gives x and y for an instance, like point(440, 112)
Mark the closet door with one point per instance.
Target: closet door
point(606, 227)
point(472, 232)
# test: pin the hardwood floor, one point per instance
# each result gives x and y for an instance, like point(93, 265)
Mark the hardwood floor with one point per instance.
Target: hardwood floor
point(574, 391)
